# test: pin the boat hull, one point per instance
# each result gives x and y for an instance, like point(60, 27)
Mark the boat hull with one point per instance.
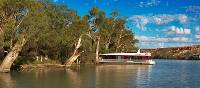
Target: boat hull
point(128, 63)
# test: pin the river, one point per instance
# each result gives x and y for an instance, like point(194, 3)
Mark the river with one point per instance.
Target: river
point(164, 74)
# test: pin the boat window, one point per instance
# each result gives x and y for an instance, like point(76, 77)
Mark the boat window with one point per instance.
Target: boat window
point(145, 57)
point(136, 57)
point(109, 57)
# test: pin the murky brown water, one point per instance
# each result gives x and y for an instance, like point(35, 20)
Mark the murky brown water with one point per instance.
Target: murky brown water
point(165, 74)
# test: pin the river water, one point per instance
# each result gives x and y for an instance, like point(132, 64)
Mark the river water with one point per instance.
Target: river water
point(164, 74)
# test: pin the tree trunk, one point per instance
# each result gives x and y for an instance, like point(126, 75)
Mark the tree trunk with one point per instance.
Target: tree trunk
point(11, 56)
point(75, 55)
point(118, 41)
point(1, 31)
point(1, 39)
point(108, 43)
point(97, 50)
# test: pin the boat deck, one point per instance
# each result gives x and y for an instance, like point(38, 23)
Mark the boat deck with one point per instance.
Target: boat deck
point(109, 61)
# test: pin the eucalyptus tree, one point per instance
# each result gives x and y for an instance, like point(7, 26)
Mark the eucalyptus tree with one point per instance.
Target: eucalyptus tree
point(41, 28)
point(20, 20)
point(95, 19)
point(90, 28)
point(55, 41)
point(113, 32)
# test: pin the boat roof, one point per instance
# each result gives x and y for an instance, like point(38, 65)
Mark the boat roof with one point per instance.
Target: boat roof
point(126, 54)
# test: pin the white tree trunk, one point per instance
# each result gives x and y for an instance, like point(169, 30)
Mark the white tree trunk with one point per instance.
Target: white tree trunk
point(75, 55)
point(97, 50)
point(37, 58)
point(1, 39)
point(108, 43)
point(11, 56)
point(41, 58)
point(118, 41)
point(1, 31)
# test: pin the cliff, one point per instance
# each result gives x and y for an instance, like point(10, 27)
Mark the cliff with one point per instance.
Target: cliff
point(186, 53)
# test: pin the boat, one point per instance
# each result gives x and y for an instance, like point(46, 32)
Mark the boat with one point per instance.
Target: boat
point(126, 58)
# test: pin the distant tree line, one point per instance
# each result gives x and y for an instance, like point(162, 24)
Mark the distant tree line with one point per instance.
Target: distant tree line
point(32, 29)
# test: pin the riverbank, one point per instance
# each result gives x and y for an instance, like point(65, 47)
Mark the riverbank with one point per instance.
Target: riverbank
point(27, 67)
point(42, 66)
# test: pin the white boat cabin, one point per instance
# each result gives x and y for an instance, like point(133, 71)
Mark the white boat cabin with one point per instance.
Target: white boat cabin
point(133, 58)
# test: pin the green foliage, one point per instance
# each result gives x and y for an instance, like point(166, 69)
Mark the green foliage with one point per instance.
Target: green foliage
point(53, 30)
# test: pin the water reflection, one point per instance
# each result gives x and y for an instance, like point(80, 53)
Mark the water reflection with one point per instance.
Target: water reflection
point(164, 74)
point(6, 80)
point(143, 76)
point(86, 76)
point(74, 77)
point(121, 76)
point(109, 76)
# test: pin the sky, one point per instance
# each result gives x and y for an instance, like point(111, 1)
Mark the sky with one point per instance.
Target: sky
point(155, 23)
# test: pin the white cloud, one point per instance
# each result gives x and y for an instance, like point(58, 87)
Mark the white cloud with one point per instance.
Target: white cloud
point(151, 39)
point(158, 20)
point(163, 39)
point(180, 39)
point(140, 21)
point(158, 42)
point(197, 29)
point(162, 19)
point(149, 3)
point(182, 18)
point(166, 18)
point(177, 30)
point(144, 38)
point(197, 36)
point(150, 45)
point(187, 31)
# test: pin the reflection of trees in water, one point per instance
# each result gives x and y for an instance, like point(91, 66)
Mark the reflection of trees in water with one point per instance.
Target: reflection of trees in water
point(82, 77)
point(44, 78)
point(101, 76)
point(41, 73)
point(121, 76)
point(109, 76)
point(6, 81)
point(74, 78)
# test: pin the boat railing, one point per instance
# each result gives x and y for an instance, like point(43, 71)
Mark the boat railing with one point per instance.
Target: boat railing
point(122, 60)
point(111, 60)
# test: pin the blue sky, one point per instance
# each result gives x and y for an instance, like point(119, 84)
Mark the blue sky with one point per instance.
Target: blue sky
point(156, 23)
